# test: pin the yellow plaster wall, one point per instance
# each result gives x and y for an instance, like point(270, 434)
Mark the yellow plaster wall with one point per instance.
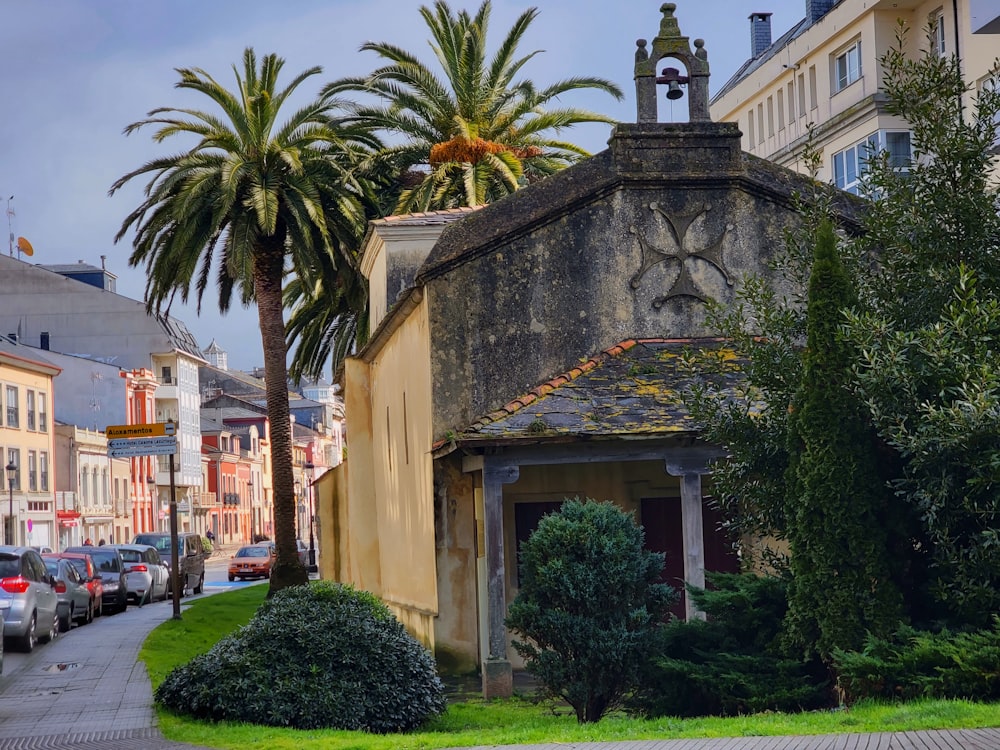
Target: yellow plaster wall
point(403, 471)
point(359, 541)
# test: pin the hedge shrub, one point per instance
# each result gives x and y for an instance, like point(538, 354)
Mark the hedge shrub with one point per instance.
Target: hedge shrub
point(317, 656)
point(923, 664)
point(728, 665)
point(588, 604)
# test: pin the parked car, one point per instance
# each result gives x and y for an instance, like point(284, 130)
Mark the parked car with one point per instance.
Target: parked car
point(252, 561)
point(88, 571)
point(28, 597)
point(111, 568)
point(74, 596)
point(146, 575)
point(192, 555)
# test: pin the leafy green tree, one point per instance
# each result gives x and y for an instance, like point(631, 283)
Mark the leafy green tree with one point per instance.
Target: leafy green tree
point(588, 605)
point(251, 201)
point(842, 585)
point(478, 133)
point(928, 370)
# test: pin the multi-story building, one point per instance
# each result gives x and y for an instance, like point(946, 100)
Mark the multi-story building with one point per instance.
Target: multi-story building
point(825, 73)
point(89, 484)
point(27, 446)
point(74, 310)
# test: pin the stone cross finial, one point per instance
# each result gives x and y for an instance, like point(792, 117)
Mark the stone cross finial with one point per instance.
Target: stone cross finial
point(670, 43)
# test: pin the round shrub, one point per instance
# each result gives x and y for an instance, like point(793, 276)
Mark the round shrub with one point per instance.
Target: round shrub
point(318, 656)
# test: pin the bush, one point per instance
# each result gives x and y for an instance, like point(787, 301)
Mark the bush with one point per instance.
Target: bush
point(921, 664)
point(315, 656)
point(728, 665)
point(589, 602)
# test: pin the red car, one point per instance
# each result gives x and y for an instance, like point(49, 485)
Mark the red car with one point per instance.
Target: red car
point(84, 565)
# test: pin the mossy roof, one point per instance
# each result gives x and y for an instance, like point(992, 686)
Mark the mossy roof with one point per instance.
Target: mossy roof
point(634, 388)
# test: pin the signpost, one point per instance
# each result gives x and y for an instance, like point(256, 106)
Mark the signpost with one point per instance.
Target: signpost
point(155, 439)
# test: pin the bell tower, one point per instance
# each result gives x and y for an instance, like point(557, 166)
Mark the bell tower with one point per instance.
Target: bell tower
point(670, 43)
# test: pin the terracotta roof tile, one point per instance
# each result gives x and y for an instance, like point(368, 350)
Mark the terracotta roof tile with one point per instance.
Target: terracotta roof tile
point(633, 387)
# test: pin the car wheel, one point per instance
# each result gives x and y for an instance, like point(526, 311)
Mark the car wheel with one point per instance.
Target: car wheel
point(27, 641)
point(53, 629)
point(232, 577)
point(89, 616)
point(65, 623)
point(201, 584)
point(99, 607)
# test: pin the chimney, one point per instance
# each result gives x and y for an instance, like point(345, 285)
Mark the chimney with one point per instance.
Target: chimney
point(816, 9)
point(760, 33)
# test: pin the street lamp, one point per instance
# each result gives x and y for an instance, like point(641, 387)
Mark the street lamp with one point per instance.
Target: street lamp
point(312, 515)
point(11, 476)
point(253, 512)
point(153, 501)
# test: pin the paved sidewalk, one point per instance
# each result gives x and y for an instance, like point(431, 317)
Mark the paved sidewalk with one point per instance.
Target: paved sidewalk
point(88, 690)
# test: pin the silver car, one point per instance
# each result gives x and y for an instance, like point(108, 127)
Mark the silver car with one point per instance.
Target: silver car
point(28, 598)
point(147, 577)
point(75, 600)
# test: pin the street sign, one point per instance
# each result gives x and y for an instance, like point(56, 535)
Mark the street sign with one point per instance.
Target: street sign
point(154, 429)
point(148, 442)
point(142, 447)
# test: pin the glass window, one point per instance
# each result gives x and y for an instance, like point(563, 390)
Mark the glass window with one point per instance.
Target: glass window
point(12, 415)
point(43, 474)
point(14, 457)
point(781, 109)
point(847, 67)
point(32, 471)
point(29, 407)
point(770, 116)
point(750, 128)
point(43, 419)
point(938, 33)
point(851, 164)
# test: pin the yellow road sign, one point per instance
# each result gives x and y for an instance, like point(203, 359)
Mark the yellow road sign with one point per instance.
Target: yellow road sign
point(155, 429)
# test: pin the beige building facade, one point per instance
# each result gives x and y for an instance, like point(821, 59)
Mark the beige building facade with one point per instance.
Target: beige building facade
point(825, 73)
point(27, 446)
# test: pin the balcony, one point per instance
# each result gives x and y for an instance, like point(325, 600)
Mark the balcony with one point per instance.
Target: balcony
point(205, 500)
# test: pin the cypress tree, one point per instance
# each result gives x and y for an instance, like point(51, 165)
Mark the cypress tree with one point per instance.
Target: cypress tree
point(842, 584)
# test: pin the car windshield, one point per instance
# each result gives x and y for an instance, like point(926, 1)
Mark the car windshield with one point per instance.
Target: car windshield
point(252, 552)
point(10, 565)
point(106, 561)
point(80, 565)
point(160, 541)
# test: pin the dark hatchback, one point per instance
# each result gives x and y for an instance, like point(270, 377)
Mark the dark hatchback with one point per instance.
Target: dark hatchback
point(109, 564)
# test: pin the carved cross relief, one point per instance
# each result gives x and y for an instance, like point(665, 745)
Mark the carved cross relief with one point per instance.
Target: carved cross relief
point(684, 284)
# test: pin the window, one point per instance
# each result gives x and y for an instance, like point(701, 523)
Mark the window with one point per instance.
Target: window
point(32, 471)
point(770, 117)
point(791, 103)
point(781, 109)
point(29, 408)
point(12, 415)
point(750, 128)
point(14, 457)
point(760, 123)
point(812, 87)
point(851, 164)
point(802, 94)
point(847, 67)
point(938, 32)
point(43, 417)
point(43, 474)
point(83, 484)
point(166, 376)
point(989, 87)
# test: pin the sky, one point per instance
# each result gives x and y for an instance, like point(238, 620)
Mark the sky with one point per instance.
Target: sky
point(77, 72)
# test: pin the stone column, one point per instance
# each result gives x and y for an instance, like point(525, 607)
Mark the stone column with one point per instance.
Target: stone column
point(498, 675)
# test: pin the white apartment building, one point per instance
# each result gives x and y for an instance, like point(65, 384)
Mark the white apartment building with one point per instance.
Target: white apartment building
point(825, 72)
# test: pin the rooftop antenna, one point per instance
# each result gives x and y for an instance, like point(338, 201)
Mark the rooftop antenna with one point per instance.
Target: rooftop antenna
point(10, 230)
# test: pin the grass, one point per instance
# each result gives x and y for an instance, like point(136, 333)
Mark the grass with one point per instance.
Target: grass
point(514, 721)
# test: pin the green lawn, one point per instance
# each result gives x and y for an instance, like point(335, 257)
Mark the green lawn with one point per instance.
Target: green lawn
point(514, 721)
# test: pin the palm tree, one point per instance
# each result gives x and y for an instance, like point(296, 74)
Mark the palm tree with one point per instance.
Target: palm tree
point(478, 134)
point(251, 201)
point(467, 141)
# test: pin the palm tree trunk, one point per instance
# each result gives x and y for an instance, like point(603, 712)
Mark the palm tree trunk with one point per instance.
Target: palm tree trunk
point(268, 266)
